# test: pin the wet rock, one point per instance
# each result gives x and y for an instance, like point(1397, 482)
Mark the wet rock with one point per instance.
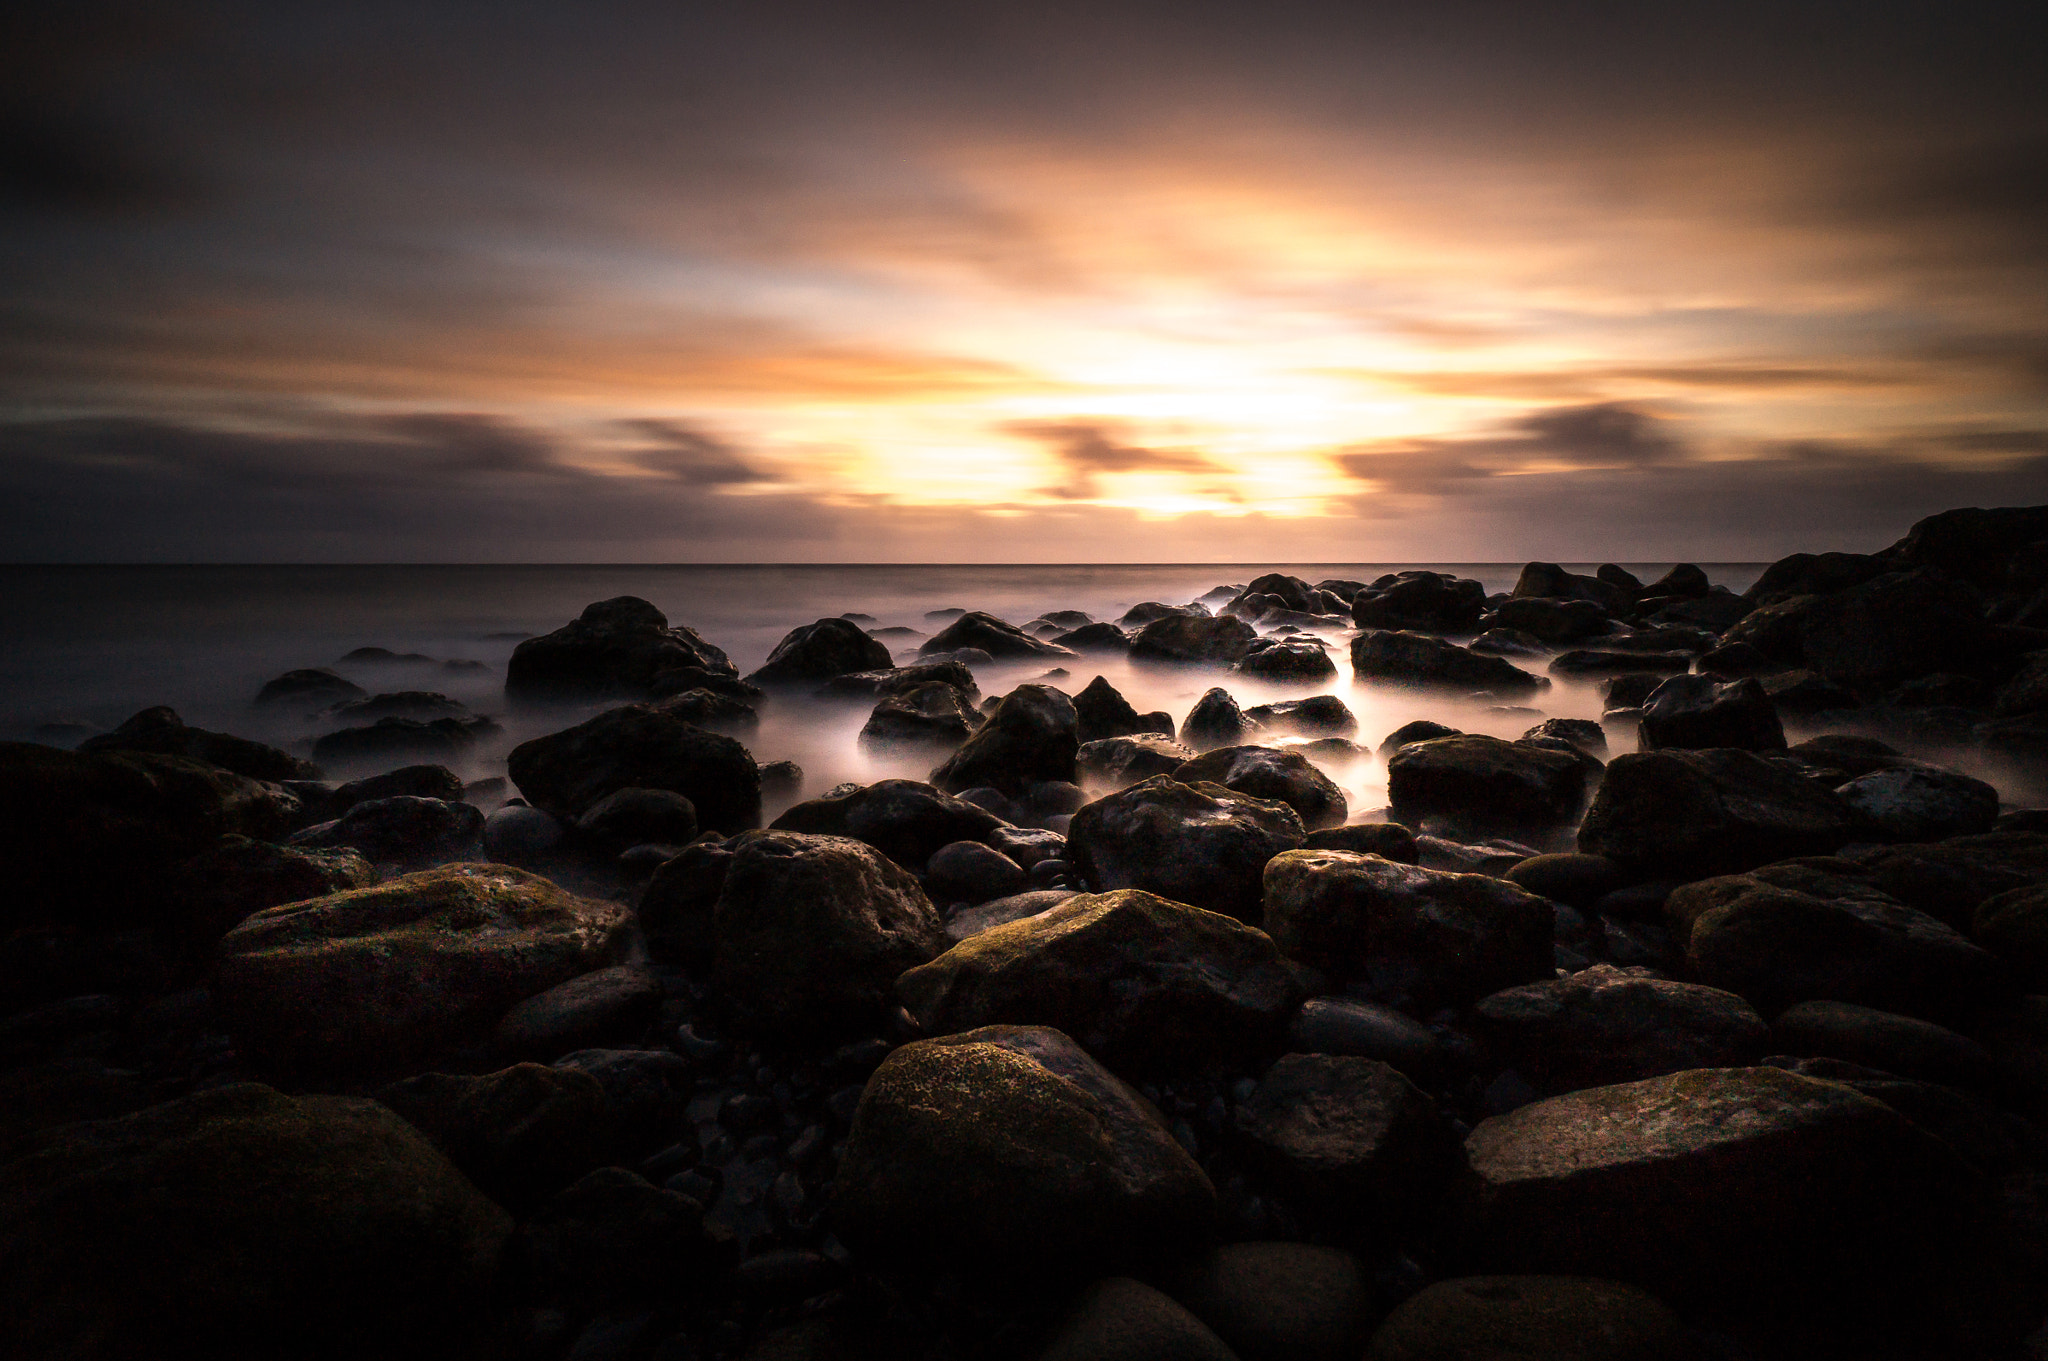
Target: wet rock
point(1421, 938)
point(1923, 804)
point(1605, 1025)
point(1343, 1025)
point(1416, 730)
point(1030, 845)
point(1698, 711)
point(619, 648)
point(1121, 1319)
point(1280, 1301)
point(424, 705)
point(2014, 926)
point(1143, 983)
point(1803, 1201)
point(308, 690)
point(1552, 621)
point(1145, 612)
point(239, 877)
point(972, 921)
point(522, 835)
point(1617, 662)
point(1103, 637)
point(1509, 643)
point(634, 817)
point(710, 709)
point(1117, 762)
point(605, 1007)
point(1569, 1318)
point(1204, 845)
point(1580, 733)
point(1904, 1045)
point(1316, 716)
point(1295, 660)
point(810, 932)
point(420, 781)
point(1216, 641)
point(1215, 721)
point(1426, 602)
point(403, 969)
point(1805, 693)
point(402, 831)
point(994, 636)
point(820, 651)
point(906, 820)
point(1415, 659)
point(520, 1133)
point(1691, 814)
point(1009, 1144)
point(898, 680)
point(440, 740)
point(1580, 880)
point(1101, 711)
point(613, 1237)
point(1031, 736)
point(242, 1222)
point(1484, 784)
point(1274, 774)
point(969, 872)
point(160, 732)
point(639, 747)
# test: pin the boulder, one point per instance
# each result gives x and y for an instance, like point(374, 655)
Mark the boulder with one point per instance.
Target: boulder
point(906, 820)
point(1296, 660)
point(424, 705)
point(710, 709)
point(1280, 1301)
point(1415, 730)
point(820, 651)
point(1316, 716)
point(933, 715)
point(1973, 543)
point(420, 781)
point(1118, 762)
point(160, 732)
point(1921, 803)
point(970, 872)
point(1389, 839)
point(1274, 774)
point(2014, 926)
point(1578, 880)
point(243, 1223)
point(612, 1238)
point(1616, 662)
point(972, 921)
point(620, 648)
point(810, 932)
point(1698, 711)
point(613, 1006)
point(522, 835)
point(1031, 736)
point(1427, 602)
point(439, 740)
point(1804, 1205)
point(1605, 1025)
point(405, 969)
point(1351, 1140)
point(1344, 1025)
point(1581, 733)
point(1217, 641)
point(1912, 1048)
point(520, 1133)
point(402, 831)
point(1000, 640)
point(1547, 580)
point(1103, 637)
point(1690, 814)
point(1484, 784)
point(1559, 1318)
point(1888, 629)
point(1415, 659)
point(1204, 845)
point(1215, 721)
point(1121, 1319)
point(639, 747)
point(1101, 711)
point(239, 877)
point(1420, 938)
point(1140, 982)
point(896, 680)
point(638, 817)
point(1010, 1145)
point(1292, 592)
point(308, 690)
point(1552, 621)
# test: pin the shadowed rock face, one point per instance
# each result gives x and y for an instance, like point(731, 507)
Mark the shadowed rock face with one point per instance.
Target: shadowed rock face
point(1031, 737)
point(998, 638)
point(820, 651)
point(906, 820)
point(1688, 814)
point(1270, 773)
point(1219, 640)
point(616, 648)
point(1010, 1144)
point(1200, 844)
point(1485, 784)
point(1431, 663)
point(639, 746)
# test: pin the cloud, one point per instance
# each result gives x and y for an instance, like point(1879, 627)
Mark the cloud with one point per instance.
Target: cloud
point(1601, 435)
point(1587, 384)
point(684, 453)
point(1088, 449)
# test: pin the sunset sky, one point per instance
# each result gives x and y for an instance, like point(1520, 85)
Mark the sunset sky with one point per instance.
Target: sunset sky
point(1002, 282)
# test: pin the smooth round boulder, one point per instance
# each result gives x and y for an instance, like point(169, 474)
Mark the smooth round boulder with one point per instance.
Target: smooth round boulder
point(1367, 1030)
point(2014, 926)
point(637, 817)
point(1204, 845)
point(1119, 762)
point(1183, 639)
point(1120, 1319)
point(1906, 1045)
point(241, 1223)
point(1415, 730)
point(1298, 661)
point(407, 832)
point(619, 648)
point(423, 781)
point(1695, 711)
point(1485, 784)
point(522, 835)
point(1033, 735)
point(1280, 1301)
point(906, 820)
point(396, 972)
point(1315, 716)
point(1419, 661)
point(1691, 814)
point(638, 746)
point(1579, 880)
point(1429, 602)
point(820, 651)
point(602, 1008)
point(308, 689)
point(1140, 982)
point(999, 639)
point(1557, 1318)
point(1921, 803)
point(1274, 774)
point(1388, 839)
point(970, 872)
point(1010, 1145)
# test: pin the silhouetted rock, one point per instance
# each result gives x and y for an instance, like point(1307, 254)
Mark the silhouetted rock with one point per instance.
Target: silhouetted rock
point(1031, 736)
point(1427, 602)
point(906, 820)
point(1290, 660)
point(816, 652)
point(1485, 784)
point(639, 747)
point(1217, 641)
point(619, 648)
point(1214, 721)
point(1271, 773)
point(161, 732)
point(1697, 711)
point(309, 690)
point(1694, 813)
point(1418, 660)
point(932, 715)
point(402, 831)
point(994, 636)
point(1199, 844)
point(1101, 711)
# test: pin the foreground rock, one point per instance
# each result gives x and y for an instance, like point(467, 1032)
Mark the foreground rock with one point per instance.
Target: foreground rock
point(933, 715)
point(1485, 785)
point(1571, 1318)
point(810, 932)
point(906, 820)
point(1419, 938)
point(620, 648)
point(999, 639)
point(244, 1223)
point(1009, 1145)
point(1697, 711)
point(1281, 1301)
point(639, 747)
point(402, 831)
point(1273, 774)
point(1032, 736)
point(1416, 659)
point(1119, 762)
point(1605, 1025)
point(240, 877)
point(1204, 845)
point(1690, 814)
point(820, 651)
point(1143, 983)
point(377, 977)
point(1803, 1203)
point(161, 732)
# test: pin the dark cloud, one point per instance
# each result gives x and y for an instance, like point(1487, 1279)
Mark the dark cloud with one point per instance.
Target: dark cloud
point(1091, 448)
point(686, 454)
point(1591, 383)
point(1601, 435)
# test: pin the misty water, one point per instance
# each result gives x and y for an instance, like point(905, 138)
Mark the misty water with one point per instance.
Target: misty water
point(82, 648)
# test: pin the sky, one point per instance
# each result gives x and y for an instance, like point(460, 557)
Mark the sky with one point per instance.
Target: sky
point(997, 282)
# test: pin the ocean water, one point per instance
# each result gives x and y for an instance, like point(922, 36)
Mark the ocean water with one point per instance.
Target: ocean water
point(82, 648)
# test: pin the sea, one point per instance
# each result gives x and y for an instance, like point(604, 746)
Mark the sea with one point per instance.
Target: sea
point(84, 647)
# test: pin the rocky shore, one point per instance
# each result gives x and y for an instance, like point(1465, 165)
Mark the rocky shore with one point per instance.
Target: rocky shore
point(1716, 1028)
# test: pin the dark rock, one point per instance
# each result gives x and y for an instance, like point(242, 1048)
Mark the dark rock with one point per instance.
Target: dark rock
point(620, 648)
point(1301, 661)
point(1117, 762)
point(1804, 1204)
point(1199, 844)
point(1972, 543)
point(646, 1092)
point(1904, 1045)
point(1218, 641)
point(1581, 733)
point(1570, 1318)
point(521, 1133)
point(1628, 690)
point(897, 680)
point(309, 689)
point(633, 817)
point(1215, 721)
point(238, 878)
point(1274, 774)
point(1509, 643)
point(810, 933)
point(1292, 592)
point(613, 1237)
point(604, 1007)
point(1103, 637)
point(1417, 730)
point(933, 715)
point(1143, 983)
point(1342, 1025)
point(781, 780)
point(1580, 880)
point(710, 709)
point(1697, 813)
point(1415, 659)
point(1428, 602)
point(1551, 621)
point(1031, 736)
point(972, 921)
point(1888, 629)
point(906, 820)
point(1719, 609)
point(522, 835)
point(404, 969)
point(820, 651)
point(1610, 661)
point(1121, 1319)
point(160, 732)
point(402, 831)
point(1010, 1144)
point(1485, 784)
point(1137, 616)
point(1421, 938)
point(969, 872)
point(2014, 926)
point(1102, 711)
point(1547, 580)
point(1388, 839)
point(1923, 804)
point(384, 656)
point(440, 740)
point(1696, 711)
point(1605, 1025)
point(1316, 716)
point(639, 747)
point(420, 781)
point(1813, 574)
point(240, 1222)
point(1280, 1301)
point(1029, 845)
point(424, 705)
point(991, 635)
